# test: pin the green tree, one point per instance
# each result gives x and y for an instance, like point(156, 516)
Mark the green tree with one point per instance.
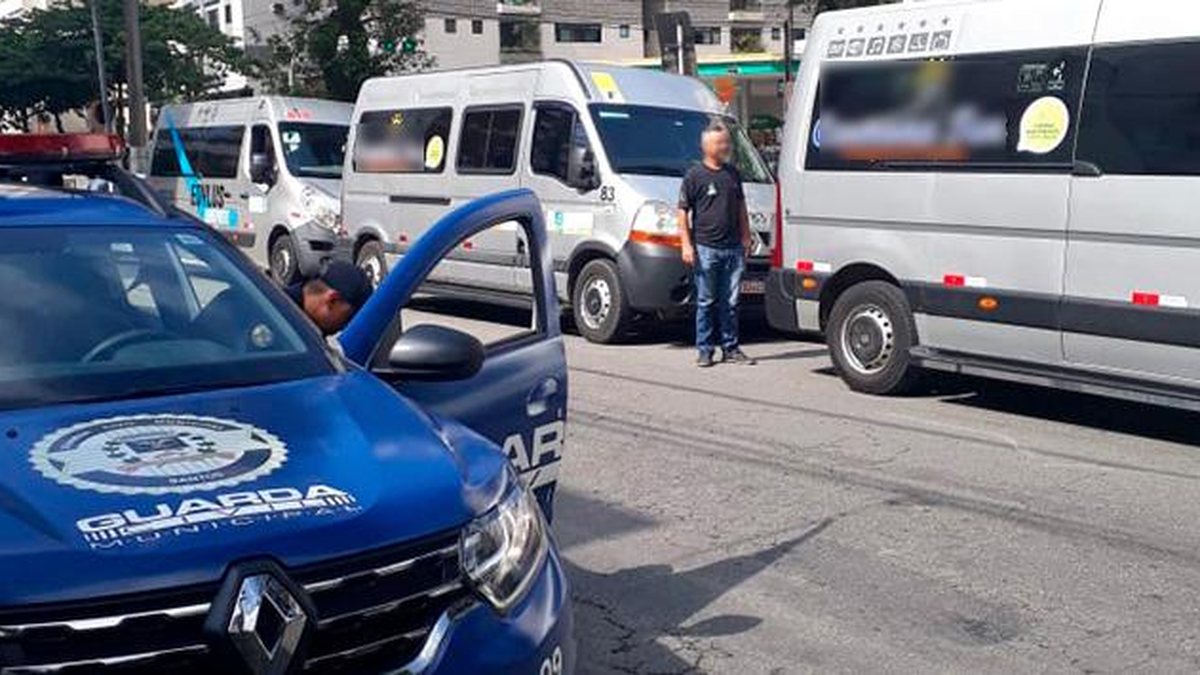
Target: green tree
point(330, 49)
point(47, 59)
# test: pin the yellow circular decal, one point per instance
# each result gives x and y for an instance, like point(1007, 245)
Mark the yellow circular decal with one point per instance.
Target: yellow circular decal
point(1044, 125)
point(435, 152)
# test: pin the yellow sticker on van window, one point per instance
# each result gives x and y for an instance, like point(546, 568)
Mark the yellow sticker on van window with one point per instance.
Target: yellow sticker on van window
point(1044, 125)
point(435, 151)
point(607, 85)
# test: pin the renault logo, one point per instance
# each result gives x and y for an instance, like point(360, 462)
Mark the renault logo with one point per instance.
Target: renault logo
point(260, 618)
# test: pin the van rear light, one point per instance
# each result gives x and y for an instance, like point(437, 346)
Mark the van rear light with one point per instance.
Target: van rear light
point(50, 148)
point(777, 249)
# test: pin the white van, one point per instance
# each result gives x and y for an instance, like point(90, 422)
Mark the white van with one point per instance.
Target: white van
point(265, 171)
point(605, 148)
point(998, 187)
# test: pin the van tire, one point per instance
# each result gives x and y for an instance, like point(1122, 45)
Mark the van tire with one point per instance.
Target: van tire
point(284, 261)
point(372, 262)
point(870, 332)
point(598, 303)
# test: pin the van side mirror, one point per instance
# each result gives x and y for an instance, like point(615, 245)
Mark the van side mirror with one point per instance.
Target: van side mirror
point(262, 168)
point(434, 353)
point(581, 169)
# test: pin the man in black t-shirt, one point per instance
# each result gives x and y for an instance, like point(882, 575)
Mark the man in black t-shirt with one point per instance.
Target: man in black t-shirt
point(715, 233)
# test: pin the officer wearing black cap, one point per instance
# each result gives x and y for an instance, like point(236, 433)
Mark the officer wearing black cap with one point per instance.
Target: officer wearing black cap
point(334, 296)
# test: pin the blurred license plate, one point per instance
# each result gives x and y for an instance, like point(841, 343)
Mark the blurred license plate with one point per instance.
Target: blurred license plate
point(754, 286)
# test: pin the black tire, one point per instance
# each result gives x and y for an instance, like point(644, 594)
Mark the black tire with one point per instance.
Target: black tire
point(598, 303)
point(869, 333)
point(372, 262)
point(284, 261)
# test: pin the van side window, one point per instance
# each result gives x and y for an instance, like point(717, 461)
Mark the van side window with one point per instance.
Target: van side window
point(1141, 112)
point(212, 152)
point(556, 130)
point(1009, 111)
point(488, 142)
point(402, 141)
point(164, 161)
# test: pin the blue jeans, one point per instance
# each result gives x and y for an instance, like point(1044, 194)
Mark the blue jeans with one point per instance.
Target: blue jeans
point(718, 281)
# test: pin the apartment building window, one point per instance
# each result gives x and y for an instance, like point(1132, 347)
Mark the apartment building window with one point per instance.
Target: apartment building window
point(708, 35)
point(519, 36)
point(214, 19)
point(451, 25)
point(746, 40)
point(776, 33)
point(577, 32)
point(745, 5)
point(799, 33)
point(623, 31)
point(477, 26)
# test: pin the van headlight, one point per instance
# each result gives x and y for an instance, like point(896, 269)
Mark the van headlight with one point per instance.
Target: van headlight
point(657, 217)
point(502, 550)
point(321, 208)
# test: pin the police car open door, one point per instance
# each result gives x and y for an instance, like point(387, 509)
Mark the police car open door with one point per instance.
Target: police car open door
point(518, 396)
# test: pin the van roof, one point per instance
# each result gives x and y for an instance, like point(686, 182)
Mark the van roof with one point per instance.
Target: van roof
point(283, 108)
point(596, 82)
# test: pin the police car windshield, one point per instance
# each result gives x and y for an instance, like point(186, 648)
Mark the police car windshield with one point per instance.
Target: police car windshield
point(313, 150)
point(666, 141)
point(108, 313)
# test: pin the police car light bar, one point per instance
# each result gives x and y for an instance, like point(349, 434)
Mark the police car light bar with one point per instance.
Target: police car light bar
point(53, 148)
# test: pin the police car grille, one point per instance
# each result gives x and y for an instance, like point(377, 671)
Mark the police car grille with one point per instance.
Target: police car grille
point(375, 612)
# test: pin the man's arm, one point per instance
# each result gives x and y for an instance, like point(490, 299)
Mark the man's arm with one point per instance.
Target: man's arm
point(685, 222)
point(744, 221)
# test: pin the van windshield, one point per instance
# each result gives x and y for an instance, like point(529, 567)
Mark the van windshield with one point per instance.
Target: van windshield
point(122, 312)
point(666, 141)
point(313, 150)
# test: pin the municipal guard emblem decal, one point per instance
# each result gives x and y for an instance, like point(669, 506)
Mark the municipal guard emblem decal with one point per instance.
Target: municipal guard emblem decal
point(157, 454)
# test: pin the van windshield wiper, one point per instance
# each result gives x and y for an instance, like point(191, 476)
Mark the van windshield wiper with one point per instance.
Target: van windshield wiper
point(650, 169)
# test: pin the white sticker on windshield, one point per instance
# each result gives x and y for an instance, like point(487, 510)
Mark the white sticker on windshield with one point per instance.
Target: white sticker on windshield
point(291, 139)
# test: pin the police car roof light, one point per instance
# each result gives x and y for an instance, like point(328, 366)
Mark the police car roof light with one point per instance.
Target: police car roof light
point(55, 148)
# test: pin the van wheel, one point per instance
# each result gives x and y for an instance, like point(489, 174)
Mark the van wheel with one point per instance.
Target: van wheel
point(285, 266)
point(372, 262)
point(601, 310)
point(869, 334)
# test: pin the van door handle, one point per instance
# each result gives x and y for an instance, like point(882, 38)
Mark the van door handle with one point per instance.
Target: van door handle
point(245, 195)
point(1085, 169)
point(541, 397)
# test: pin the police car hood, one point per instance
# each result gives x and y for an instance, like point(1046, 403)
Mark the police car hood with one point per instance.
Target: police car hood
point(124, 497)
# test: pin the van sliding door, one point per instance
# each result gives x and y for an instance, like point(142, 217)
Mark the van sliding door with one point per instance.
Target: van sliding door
point(1132, 301)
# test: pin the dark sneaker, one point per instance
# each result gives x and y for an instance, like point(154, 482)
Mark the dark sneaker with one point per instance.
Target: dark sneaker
point(705, 360)
point(737, 357)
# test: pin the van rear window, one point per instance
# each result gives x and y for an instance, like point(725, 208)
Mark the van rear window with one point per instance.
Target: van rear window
point(1006, 111)
point(403, 141)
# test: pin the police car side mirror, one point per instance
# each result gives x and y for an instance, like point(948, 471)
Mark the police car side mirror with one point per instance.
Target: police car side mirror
point(262, 169)
point(429, 352)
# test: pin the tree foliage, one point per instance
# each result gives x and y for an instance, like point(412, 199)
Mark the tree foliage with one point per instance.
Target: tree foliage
point(47, 57)
point(330, 48)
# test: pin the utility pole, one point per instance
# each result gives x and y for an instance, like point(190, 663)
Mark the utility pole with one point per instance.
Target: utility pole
point(136, 138)
point(101, 79)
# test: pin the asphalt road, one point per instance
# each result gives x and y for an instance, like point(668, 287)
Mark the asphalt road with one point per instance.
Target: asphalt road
point(766, 520)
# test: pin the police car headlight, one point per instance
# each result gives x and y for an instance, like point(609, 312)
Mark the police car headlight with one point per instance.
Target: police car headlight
point(655, 217)
point(502, 550)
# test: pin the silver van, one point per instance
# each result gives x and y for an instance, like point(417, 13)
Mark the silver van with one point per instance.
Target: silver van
point(604, 147)
point(967, 189)
point(264, 171)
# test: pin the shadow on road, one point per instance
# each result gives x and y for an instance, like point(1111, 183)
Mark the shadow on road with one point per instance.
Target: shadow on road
point(623, 618)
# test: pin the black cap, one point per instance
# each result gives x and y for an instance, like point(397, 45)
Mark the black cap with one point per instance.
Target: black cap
point(349, 281)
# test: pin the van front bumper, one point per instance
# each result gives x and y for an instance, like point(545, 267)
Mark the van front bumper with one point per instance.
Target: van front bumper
point(656, 280)
point(535, 637)
point(315, 246)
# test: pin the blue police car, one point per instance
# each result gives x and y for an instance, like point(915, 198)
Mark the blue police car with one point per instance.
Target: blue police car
point(193, 481)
